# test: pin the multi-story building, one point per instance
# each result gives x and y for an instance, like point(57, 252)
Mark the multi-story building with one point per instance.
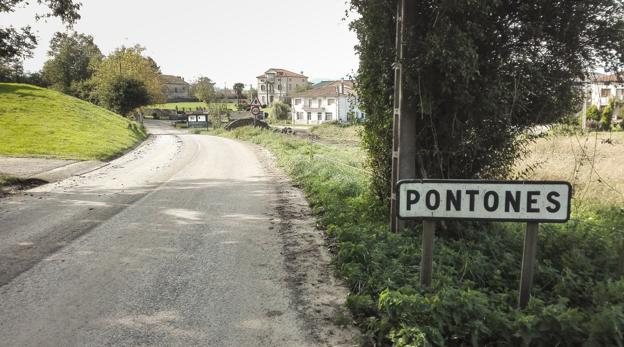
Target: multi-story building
point(328, 101)
point(175, 88)
point(606, 87)
point(279, 85)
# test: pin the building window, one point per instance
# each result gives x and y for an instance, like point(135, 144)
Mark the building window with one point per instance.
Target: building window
point(297, 101)
point(262, 87)
point(328, 116)
point(289, 86)
point(279, 87)
point(319, 116)
point(263, 100)
point(175, 89)
point(309, 115)
point(320, 102)
point(605, 93)
point(299, 115)
point(330, 101)
point(310, 103)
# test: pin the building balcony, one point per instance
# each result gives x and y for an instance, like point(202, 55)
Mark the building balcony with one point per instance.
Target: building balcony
point(313, 109)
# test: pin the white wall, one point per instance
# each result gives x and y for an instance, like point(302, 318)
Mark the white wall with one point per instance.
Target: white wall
point(596, 93)
point(340, 109)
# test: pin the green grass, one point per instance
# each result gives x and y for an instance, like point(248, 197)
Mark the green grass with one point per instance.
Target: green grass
point(338, 132)
point(38, 122)
point(578, 294)
point(189, 105)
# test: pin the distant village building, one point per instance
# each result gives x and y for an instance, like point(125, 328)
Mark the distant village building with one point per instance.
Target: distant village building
point(603, 88)
point(279, 85)
point(175, 88)
point(327, 101)
point(600, 90)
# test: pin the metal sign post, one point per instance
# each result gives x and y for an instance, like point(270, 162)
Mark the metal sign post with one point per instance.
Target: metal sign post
point(533, 202)
point(528, 264)
point(255, 110)
point(426, 261)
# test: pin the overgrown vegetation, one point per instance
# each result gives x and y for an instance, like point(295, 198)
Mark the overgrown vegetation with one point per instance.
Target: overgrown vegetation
point(477, 74)
point(578, 297)
point(279, 111)
point(336, 132)
point(123, 94)
point(44, 123)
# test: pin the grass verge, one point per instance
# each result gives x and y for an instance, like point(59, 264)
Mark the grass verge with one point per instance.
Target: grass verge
point(38, 122)
point(578, 295)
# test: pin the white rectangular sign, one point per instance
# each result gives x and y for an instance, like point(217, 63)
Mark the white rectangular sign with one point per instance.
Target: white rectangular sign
point(519, 201)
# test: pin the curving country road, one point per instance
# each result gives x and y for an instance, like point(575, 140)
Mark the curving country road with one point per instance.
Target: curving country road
point(183, 241)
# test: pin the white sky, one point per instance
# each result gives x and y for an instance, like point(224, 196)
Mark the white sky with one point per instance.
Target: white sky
point(228, 41)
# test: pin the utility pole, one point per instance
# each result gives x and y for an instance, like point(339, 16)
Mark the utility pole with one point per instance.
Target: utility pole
point(404, 122)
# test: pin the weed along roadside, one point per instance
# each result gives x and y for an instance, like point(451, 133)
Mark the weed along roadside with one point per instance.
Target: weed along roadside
point(577, 289)
point(517, 201)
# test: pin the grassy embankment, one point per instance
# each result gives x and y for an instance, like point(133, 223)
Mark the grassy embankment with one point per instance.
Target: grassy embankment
point(578, 296)
point(38, 122)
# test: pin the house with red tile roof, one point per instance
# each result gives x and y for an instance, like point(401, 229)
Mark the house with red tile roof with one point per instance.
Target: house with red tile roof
point(279, 84)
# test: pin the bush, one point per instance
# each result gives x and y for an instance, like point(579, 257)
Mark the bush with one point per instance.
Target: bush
point(123, 94)
point(279, 111)
point(606, 118)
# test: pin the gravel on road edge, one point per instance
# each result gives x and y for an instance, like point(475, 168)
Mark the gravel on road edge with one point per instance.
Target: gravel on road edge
point(317, 295)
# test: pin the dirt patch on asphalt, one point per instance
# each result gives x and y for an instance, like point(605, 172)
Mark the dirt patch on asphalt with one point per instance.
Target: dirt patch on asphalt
point(12, 185)
point(316, 294)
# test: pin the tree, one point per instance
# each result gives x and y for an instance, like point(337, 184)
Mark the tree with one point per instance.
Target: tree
point(129, 62)
point(73, 58)
point(123, 94)
point(279, 111)
point(11, 70)
point(18, 43)
point(203, 89)
point(478, 74)
point(238, 90)
point(606, 117)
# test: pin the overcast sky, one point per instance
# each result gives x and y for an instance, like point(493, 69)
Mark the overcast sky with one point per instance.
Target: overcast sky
point(228, 41)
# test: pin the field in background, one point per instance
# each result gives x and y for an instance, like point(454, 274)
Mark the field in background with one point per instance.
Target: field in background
point(592, 162)
point(38, 122)
point(190, 105)
point(338, 133)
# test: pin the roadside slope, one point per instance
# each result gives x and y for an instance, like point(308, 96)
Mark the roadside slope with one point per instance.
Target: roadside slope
point(39, 122)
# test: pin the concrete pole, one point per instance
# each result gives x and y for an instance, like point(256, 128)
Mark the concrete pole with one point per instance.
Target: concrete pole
point(404, 151)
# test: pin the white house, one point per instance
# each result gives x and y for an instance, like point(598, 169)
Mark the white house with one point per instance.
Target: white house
point(278, 85)
point(606, 87)
point(327, 101)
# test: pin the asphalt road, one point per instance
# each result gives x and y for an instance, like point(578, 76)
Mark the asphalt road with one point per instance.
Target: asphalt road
point(173, 244)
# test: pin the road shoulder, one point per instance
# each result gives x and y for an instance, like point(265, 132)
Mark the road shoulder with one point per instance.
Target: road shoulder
point(318, 296)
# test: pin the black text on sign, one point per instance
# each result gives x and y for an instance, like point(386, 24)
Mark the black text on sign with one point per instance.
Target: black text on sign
point(484, 200)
